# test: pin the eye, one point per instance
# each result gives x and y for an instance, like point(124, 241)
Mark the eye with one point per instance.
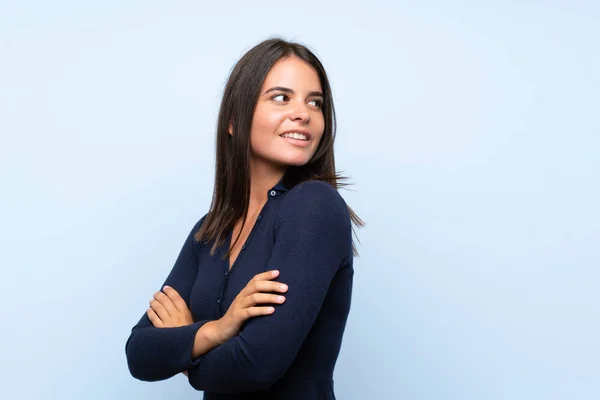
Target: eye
point(319, 103)
point(277, 95)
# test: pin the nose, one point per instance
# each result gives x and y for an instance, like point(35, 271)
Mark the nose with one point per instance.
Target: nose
point(300, 113)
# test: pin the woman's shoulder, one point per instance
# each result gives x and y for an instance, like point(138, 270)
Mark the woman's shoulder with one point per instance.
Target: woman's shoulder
point(201, 221)
point(198, 225)
point(315, 197)
point(316, 189)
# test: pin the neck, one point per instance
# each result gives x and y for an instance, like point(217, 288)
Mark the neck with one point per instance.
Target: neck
point(263, 177)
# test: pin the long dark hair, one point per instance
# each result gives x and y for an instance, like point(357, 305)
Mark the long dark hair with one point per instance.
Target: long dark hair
point(231, 194)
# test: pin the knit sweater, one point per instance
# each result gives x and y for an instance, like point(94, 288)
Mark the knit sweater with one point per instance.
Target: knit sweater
point(305, 233)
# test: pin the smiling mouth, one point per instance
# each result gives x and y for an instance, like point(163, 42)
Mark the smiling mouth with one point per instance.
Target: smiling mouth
point(301, 143)
point(296, 136)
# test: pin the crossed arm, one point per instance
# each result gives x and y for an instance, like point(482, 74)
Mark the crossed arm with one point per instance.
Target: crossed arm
point(313, 239)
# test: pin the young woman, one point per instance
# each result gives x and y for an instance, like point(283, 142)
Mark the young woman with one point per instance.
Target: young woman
point(256, 304)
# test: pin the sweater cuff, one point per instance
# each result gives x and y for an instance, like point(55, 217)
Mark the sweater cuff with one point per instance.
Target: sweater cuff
point(191, 330)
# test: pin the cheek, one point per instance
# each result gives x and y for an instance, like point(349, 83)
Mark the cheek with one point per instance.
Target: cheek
point(264, 122)
point(264, 126)
point(321, 127)
point(259, 122)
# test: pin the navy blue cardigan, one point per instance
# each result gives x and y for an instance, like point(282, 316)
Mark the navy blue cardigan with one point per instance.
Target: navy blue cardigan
point(305, 233)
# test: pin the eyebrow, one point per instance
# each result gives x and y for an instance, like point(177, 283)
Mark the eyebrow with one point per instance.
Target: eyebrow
point(288, 90)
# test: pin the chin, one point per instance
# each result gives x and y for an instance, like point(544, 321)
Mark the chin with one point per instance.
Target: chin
point(294, 161)
point(286, 159)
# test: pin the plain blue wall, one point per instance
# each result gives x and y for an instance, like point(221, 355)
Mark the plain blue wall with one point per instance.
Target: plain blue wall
point(471, 132)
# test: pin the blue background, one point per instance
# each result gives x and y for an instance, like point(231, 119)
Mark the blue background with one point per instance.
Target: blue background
point(470, 130)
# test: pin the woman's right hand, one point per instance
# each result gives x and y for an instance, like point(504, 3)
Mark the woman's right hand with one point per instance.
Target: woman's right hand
point(244, 306)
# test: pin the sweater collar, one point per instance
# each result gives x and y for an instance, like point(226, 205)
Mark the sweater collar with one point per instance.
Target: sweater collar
point(279, 187)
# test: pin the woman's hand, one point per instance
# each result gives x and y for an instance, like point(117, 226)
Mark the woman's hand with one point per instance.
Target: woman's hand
point(244, 306)
point(169, 310)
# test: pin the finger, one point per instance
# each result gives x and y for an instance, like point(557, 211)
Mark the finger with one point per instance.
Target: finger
point(166, 302)
point(257, 282)
point(269, 286)
point(177, 300)
point(154, 318)
point(160, 310)
point(258, 311)
point(266, 276)
point(262, 298)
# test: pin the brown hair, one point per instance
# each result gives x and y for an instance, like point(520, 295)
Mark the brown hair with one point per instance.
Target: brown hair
point(231, 194)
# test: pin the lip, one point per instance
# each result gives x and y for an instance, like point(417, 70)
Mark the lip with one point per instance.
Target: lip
point(296, 142)
point(302, 131)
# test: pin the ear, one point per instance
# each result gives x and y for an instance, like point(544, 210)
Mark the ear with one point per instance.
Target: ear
point(230, 129)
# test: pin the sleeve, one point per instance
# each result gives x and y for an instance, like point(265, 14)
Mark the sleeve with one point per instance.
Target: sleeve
point(159, 353)
point(313, 241)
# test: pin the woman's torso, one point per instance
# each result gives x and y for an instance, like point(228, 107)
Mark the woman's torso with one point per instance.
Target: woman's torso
point(310, 375)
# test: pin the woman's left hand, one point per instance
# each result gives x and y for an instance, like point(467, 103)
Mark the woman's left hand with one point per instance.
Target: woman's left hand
point(169, 310)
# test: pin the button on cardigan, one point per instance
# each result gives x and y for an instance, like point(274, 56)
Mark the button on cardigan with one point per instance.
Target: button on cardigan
point(304, 232)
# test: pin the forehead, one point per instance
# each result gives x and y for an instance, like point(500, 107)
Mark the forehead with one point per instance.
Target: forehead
point(294, 73)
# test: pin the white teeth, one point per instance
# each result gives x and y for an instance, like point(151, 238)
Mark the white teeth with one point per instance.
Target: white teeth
point(295, 135)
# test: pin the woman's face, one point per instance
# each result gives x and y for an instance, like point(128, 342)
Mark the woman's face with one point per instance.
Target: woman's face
point(289, 101)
